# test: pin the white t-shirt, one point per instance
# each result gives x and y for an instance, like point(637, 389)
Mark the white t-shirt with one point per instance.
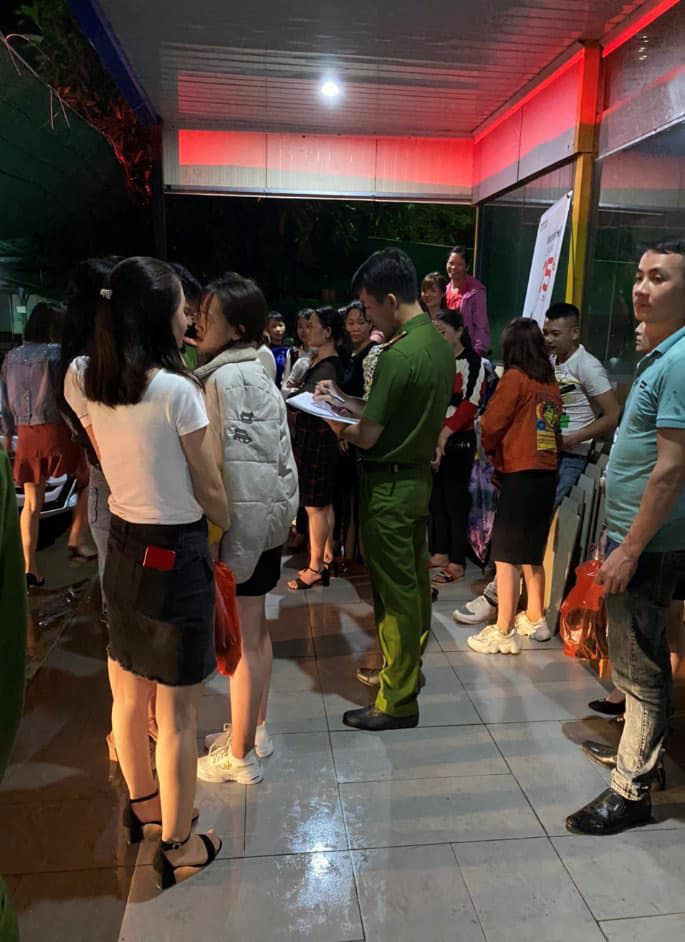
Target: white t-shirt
point(580, 376)
point(140, 447)
point(268, 360)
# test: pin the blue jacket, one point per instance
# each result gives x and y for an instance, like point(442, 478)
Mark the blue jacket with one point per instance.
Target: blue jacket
point(28, 380)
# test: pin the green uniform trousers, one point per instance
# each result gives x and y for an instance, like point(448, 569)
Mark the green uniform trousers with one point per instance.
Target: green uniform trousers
point(393, 515)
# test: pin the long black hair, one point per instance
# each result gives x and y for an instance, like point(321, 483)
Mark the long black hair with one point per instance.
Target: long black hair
point(83, 301)
point(523, 346)
point(455, 320)
point(133, 332)
point(44, 324)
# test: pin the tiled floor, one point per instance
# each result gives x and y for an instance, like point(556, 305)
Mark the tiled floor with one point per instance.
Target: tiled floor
point(451, 831)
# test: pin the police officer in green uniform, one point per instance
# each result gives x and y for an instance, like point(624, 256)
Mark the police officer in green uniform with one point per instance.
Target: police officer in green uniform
point(397, 435)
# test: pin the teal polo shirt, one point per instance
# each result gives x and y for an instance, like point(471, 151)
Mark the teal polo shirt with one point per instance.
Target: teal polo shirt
point(656, 400)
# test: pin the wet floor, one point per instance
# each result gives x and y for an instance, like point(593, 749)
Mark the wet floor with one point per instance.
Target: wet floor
point(451, 831)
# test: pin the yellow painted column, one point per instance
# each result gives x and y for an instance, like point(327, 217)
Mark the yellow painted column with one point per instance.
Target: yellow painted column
point(581, 211)
point(585, 145)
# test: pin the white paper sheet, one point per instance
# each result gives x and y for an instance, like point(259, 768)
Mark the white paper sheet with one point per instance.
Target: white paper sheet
point(305, 402)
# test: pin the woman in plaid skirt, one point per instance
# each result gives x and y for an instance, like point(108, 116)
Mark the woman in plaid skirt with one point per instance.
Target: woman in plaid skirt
point(316, 450)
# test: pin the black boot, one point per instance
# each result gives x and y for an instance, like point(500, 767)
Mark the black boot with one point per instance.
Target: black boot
point(610, 813)
point(373, 719)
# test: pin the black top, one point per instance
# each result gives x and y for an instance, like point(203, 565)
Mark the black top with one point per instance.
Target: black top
point(353, 380)
point(328, 368)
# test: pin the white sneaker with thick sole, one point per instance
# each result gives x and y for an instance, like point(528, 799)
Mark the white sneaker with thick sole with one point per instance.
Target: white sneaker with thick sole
point(478, 609)
point(492, 641)
point(220, 765)
point(262, 741)
point(537, 630)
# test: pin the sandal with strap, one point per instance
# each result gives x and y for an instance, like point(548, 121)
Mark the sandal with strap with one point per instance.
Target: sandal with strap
point(166, 871)
point(299, 585)
point(134, 827)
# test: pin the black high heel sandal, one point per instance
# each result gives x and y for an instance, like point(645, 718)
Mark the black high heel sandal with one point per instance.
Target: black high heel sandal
point(33, 582)
point(299, 585)
point(132, 824)
point(134, 827)
point(166, 871)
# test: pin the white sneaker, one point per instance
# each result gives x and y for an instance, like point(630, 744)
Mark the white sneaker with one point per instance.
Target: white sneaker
point(220, 765)
point(537, 630)
point(491, 641)
point(478, 609)
point(262, 742)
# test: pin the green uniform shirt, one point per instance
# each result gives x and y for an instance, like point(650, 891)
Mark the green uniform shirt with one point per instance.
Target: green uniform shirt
point(411, 390)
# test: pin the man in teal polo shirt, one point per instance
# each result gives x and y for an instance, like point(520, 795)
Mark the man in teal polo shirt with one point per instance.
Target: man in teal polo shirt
point(645, 508)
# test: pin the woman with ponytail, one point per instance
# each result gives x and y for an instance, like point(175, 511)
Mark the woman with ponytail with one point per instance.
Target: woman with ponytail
point(316, 449)
point(148, 423)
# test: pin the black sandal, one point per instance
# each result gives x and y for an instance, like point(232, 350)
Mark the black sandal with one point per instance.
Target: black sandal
point(33, 582)
point(134, 827)
point(298, 585)
point(166, 871)
point(132, 824)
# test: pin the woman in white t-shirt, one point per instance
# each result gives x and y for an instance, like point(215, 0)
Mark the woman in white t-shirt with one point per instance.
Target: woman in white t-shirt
point(148, 422)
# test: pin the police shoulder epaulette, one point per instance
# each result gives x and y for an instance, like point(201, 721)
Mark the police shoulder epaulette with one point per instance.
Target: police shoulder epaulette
point(393, 340)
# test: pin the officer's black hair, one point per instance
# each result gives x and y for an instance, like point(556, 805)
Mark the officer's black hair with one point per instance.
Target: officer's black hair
point(388, 271)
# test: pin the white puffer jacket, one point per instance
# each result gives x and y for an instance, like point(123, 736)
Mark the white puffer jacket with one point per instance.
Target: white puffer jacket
point(247, 416)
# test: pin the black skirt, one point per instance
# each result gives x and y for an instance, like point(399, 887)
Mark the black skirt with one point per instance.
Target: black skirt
point(524, 514)
point(161, 624)
point(266, 574)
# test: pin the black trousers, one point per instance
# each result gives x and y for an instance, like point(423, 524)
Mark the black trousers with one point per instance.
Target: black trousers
point(450, 503)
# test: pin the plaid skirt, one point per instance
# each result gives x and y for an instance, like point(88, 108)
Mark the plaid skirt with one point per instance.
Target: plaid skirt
point(316, 453)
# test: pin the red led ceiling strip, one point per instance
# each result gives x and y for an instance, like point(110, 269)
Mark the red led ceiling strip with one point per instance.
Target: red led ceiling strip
point(638, 25)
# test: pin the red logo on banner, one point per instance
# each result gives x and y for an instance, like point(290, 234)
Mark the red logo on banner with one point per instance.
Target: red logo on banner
point(547, 272)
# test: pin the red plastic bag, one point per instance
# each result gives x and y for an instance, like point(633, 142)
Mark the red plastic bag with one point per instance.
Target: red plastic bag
point(226, 620)
point(583, 616)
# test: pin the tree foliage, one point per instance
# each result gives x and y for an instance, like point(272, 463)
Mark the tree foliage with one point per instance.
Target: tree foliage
point(50, 40)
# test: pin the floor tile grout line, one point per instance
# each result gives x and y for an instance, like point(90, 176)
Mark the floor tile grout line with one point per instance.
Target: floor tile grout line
point(468, 892)
point(548, 838)
point(337, 783)
point(646, 916)
point(578, 890)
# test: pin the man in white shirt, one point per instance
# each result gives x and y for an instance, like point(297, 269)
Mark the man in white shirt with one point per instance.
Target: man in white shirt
point(590, 407)
point(590, 410)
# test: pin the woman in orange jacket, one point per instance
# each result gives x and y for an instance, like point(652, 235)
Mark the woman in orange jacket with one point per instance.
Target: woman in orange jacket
point(520, 431)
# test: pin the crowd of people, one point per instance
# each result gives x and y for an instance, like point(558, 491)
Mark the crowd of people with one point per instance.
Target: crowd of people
point(168, 401)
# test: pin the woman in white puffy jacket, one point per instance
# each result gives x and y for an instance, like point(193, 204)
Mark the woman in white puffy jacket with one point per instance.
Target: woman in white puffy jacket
point(247, 416)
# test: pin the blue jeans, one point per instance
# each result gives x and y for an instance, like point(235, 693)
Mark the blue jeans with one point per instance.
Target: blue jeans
point(99, 515)
point(570, 469)
point(641, 666)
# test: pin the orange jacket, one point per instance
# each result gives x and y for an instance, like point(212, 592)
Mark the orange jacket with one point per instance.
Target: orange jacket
point(520, 428)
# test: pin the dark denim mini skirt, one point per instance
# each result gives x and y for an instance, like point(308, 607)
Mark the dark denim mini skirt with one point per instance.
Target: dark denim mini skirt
point(161, 624)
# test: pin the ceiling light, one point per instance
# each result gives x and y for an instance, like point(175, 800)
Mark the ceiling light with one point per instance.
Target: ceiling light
point(330, 89)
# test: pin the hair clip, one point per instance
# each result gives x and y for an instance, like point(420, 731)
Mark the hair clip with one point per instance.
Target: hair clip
point(106, 293)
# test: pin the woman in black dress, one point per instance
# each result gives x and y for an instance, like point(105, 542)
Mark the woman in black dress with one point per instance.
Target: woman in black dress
point(316, 450)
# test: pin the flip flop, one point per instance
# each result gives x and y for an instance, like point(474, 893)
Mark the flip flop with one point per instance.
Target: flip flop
point(445, 577)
